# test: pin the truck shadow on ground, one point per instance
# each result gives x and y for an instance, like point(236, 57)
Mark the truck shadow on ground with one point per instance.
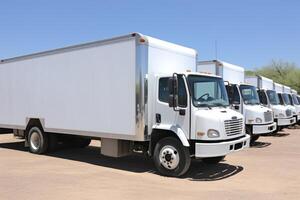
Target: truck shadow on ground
point(200, 171)
point(258, 144)
point(135, 163)
point(281, 134)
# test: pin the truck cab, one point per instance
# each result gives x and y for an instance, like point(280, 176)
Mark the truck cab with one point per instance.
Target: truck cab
point(258, 119)
point(288, 100)
point(201, 108)
point(242, 97)
point(296, 103)
point(269, 98)
point(196, 107)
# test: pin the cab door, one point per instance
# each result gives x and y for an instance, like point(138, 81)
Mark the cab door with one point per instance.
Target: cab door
point(234, 98)
point(166, 117)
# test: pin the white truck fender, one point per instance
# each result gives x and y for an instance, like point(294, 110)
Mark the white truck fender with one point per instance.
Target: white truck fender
point(177, 130)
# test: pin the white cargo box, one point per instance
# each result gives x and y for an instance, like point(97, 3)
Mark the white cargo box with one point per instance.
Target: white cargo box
point(229, 72)
point(96, 89)
point(287, 89)
point(260, 82)
point(278, 87)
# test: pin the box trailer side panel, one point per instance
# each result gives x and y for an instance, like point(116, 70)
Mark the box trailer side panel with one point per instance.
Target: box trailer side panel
point(87, 89)
point(266, 83)
point(278, 87)
point(252, 80)
point(209, 67)
point(286, 89)
point(232, 73)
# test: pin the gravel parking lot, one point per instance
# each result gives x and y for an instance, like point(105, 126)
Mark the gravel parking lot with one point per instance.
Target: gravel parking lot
point(269, 170)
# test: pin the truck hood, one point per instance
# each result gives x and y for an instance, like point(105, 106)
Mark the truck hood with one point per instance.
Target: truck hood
point(292, 108)
point(279, 111)
point(253, 113)
point(215, 119)
point(297, 109)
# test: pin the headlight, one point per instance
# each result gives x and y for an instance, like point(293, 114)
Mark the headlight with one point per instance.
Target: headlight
point(258, 120)
point(211, 133)
point(281, 115)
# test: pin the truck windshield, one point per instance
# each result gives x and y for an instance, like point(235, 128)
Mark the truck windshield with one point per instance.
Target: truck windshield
point(286, 99)
point(207, 91)
point(273, 97)
point(249, 94)
point(295, 100)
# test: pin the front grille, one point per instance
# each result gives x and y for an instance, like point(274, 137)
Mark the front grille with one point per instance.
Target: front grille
point(234, 126)
point(268, 116)
point(288, 113)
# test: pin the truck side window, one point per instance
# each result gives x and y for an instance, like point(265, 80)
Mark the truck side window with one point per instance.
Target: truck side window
point(163, 93)
point(262, 97)
point(233, 94)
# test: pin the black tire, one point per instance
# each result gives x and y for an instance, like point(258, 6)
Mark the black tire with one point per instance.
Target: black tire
point(38, 140)
point(278, 128)
point(177, 150)
point(213, 160)
point(253, 138)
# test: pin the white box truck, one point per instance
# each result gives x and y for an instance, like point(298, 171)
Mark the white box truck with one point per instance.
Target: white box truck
point(296, 102)
point(296, 99)
point(242, 97)
point(135, 93)
point(269, 98)
point(293, 100)
point(284, 99)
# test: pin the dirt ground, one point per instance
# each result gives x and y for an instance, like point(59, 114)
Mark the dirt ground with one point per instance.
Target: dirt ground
point(269, 170)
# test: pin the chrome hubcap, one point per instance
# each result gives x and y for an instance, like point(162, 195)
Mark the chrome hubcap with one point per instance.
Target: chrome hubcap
point(35, 140)
point(169, 157)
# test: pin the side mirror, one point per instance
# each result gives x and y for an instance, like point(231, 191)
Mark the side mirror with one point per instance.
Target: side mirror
point(173, 90)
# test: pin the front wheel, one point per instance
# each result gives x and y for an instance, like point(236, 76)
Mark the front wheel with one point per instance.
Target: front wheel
point(213, 160)
point(253, 137)
point(171, 158)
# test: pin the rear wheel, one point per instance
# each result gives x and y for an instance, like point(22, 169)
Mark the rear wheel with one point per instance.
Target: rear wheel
point(38, 140)
point(171, 158)
point(213, 160)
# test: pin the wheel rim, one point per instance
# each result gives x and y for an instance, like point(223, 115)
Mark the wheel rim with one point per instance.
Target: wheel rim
point(35, 140)
point(169, 157)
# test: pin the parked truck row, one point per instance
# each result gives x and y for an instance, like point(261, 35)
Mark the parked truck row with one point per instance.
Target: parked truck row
point(138, 94)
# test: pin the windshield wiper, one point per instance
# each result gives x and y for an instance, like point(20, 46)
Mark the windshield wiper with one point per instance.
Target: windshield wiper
point(204, 105)
point(219, 104)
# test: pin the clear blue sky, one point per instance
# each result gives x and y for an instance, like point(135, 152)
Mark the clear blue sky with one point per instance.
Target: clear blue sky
point(249, 33)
